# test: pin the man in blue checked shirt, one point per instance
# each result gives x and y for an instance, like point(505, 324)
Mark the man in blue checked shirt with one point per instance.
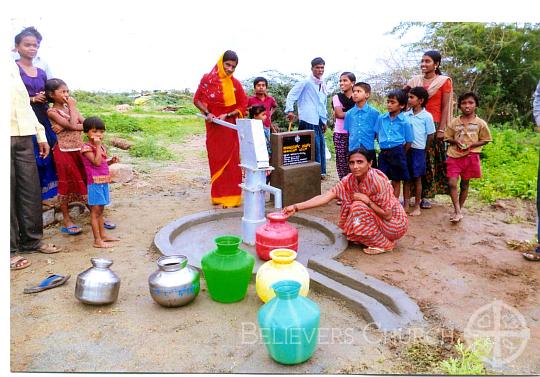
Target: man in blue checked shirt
point(310, 96)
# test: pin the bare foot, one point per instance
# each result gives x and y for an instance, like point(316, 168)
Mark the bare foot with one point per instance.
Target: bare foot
point(108, 238)
point(406, 207)
point(415, 212)
point(456, 217)
point(100, 244)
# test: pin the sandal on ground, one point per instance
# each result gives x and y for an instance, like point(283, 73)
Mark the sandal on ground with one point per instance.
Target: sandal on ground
point(48, 248)
point(72, 230)
point(375, 250)
point(425, 204)
point(48, 283)
point(109, 225)
point(533, 256)
point(15, 263)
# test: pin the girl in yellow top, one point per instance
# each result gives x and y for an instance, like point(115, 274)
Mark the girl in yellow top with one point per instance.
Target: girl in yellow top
point(466, 135)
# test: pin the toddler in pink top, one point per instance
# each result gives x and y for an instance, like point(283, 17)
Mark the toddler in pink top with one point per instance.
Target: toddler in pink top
point(98, 178)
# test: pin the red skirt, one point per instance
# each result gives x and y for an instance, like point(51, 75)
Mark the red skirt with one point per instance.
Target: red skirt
point(71, 176)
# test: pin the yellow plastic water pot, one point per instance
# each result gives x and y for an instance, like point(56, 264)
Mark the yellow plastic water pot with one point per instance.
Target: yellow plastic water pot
point(281, 266)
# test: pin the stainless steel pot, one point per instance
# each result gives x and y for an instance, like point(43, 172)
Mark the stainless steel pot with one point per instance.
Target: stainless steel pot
point(174, 283)
point(98, 285)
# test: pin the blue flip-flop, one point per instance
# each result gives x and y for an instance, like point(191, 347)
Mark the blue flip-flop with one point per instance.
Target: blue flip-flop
point(108, 225)
point(48, 283)
point(72, 230)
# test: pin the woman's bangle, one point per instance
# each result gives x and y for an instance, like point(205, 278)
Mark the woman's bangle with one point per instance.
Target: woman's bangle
point(296, 208)
point(440, 131)
point(32, 100)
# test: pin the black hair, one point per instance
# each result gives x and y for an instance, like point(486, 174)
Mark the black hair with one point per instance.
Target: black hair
point(363, 85)
point(317, 61)
point(51, 85)
point(468, 95)
point(421, 93)
point(92, 123)
point(363, 151)
point(258, 80)
point(32, 31)
point(256, 110)
point(350, 76)
point(230, 55)
point(436, 57)
point(400, 95)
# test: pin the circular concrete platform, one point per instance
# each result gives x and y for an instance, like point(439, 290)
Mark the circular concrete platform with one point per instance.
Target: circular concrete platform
point(193, 236)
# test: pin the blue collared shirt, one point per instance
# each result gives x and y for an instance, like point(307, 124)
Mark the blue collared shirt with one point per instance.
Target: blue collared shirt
point(360, 124)
point(422, 126)
point(393, 132)
point(311, 101)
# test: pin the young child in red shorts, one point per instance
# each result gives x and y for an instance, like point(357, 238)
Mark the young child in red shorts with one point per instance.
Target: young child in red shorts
point(465, 135)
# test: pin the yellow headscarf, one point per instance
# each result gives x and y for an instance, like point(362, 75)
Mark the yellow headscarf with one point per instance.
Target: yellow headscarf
point(226, 84)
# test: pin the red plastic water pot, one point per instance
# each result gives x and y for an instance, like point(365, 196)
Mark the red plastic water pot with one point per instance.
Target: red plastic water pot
point(275, 234)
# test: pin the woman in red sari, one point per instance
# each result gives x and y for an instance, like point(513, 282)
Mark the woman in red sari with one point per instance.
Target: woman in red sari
point(221, 96)
point(370, 213)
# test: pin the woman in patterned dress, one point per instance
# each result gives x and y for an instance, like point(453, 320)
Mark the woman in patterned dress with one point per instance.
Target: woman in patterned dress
point(370, 213)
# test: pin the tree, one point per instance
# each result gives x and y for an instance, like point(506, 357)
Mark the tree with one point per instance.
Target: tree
point(500, 62)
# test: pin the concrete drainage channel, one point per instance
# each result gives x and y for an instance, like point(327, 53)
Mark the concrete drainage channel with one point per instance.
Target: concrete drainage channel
point(320, 243)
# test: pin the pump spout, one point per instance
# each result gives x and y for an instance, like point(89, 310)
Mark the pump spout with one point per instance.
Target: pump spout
point(276, 192)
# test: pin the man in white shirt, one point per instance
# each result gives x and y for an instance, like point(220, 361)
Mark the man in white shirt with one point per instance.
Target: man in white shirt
point(311, 96)
point(26, 221)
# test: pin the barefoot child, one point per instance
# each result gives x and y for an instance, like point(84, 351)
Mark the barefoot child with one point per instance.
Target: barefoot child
point(423, 131)
point(465, 135)
point(394, 133)
point(360, 121)
point(341, 103)
point(259, 112)
point(97, 171)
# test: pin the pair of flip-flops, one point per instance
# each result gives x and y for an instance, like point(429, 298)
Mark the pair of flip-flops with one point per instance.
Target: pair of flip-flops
point(50, 282)
point(72, 230)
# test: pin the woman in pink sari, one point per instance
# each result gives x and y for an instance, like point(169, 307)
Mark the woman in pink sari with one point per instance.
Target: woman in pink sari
point(370, 213)
point(439, 105)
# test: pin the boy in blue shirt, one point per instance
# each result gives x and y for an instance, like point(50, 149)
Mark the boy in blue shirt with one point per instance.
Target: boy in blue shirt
point(360, 121)
point(423, 130)
point(394, 133)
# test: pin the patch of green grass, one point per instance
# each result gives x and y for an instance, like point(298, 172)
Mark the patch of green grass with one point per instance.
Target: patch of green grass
point(150, 148)
point(469, 359)
point(420, 357)
point(509, 165)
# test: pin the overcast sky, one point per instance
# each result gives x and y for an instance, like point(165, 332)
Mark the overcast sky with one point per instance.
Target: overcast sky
point(157, 44)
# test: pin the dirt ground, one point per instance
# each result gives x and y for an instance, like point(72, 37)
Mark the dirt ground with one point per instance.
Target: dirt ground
point(450, 271)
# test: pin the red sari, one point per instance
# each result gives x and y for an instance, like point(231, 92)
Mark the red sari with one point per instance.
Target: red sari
point(223, 94)
point(360, 223)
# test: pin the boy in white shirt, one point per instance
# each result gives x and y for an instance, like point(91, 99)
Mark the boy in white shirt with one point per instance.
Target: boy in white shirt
point(423, 131)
